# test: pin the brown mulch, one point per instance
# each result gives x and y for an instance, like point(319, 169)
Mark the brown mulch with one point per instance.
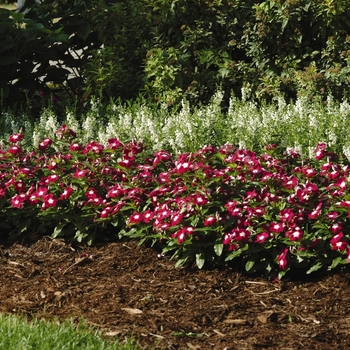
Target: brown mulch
point(127, 290)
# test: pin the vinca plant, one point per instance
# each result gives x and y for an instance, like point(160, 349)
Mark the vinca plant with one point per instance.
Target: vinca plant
point(270, 213)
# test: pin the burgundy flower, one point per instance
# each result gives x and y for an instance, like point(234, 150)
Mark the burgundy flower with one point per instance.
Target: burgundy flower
point(332, 215)
point(163, 226)
point(276, 227)
point(66, 193)
point(295, 234)
point(45, 143)
point(147, 216)
point(341, 183)
point(337, 243)
point(96, 201)
point(51, 179)
point(106, 212)
point(93, 147)
point(65, 131)
point(75, 147)
point(117, 207)
point(310, 172)
point(16, 137)
point(262, 237)
point(49, 201)
point(340, 245)
point(15, 150)
point(287, 215)
point(19, 186)
point(336, 228)
point(290, 182)
point(18, 200)
point(228, 237)
point(163, 213)
point(199, 200)
point(176, 219)
point(116, 191)
point(38, 195)
point(316, 212)
point(114, 143)
point(136, 218)
point(80, 174)
point(91, 193)
point(210, 220)
point(182, 167)
point(242, 235)
point(282, 259)
point(345, 204)
point(181, 234)
point(161, 156)
point(126, 163)
point(320, 151)
point(250, 194)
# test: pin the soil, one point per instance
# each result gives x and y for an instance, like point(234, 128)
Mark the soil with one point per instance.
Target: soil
point(126, 290)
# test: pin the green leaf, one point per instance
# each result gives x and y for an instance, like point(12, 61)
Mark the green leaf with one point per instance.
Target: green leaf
point(58, 230)
point(335, 263)
point(233, 255)
point(17, 16)
point(181, 262)
point(249, 265)
point(200, 260)
point(314, 268)
point(218, 249)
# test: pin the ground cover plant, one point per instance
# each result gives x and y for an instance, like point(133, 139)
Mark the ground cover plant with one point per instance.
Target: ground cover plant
point(272, 212)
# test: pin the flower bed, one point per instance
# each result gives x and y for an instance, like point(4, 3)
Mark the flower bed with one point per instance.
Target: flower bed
point(273, 212)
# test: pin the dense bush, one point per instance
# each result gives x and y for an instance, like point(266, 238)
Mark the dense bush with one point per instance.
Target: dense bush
point(83, 47)
point(269, 47)
point(171, 49)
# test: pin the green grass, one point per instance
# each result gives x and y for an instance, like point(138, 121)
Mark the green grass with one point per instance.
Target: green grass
point(16, 333)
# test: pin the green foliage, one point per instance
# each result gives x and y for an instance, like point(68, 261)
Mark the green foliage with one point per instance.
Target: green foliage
point(82, 48)
point(271, 48)
point(169, 50)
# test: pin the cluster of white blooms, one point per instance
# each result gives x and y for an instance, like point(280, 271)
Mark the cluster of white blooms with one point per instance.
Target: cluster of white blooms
point(90, 128)
point(72, 122)
point(300, 125)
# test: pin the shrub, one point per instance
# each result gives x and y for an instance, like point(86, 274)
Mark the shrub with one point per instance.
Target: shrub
point(169, 50)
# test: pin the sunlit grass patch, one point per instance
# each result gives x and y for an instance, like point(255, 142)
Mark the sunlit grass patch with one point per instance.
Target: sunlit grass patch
point(16, 333)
